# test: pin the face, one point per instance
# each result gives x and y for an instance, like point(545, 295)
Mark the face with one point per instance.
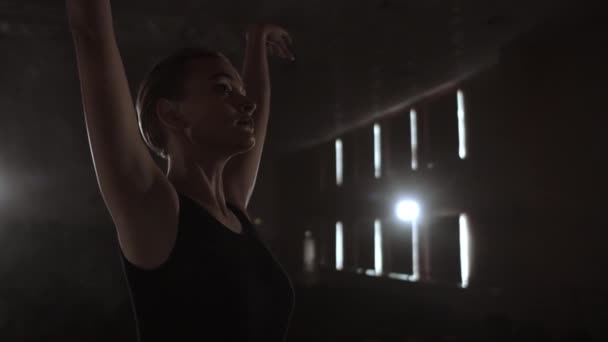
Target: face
point(215, 107)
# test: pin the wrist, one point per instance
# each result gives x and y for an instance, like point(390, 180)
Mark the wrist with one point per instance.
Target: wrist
point(256, 32)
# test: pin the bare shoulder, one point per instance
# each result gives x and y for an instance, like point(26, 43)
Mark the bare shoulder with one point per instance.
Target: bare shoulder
point(147, 225)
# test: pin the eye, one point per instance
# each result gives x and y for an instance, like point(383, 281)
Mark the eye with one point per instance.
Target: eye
point(223, 88)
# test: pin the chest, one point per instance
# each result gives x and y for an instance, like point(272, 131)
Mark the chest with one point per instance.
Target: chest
point(227, 260)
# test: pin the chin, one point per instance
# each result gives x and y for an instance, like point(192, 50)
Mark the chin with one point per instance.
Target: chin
point(246, 145)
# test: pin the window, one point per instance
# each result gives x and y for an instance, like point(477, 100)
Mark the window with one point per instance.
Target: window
point(414, 138)
point(339, 160)
point(464, 250)
point(415, 251)
point(339, 246)
point(309, 252)
point(462, 138)
point(377, 151)
point(378, 247)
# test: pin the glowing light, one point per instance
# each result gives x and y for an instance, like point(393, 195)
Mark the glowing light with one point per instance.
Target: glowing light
point(339, 246)
point(414, 138)
point(309, 252)
point(339, 169)
point(407, 210)
point(377, 151)
point(401, 276)
point(462, 137)
point(464, 250)
point(378, 247)
point(415, 252)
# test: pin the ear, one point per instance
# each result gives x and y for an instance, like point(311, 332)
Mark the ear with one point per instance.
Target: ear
point(168, 113)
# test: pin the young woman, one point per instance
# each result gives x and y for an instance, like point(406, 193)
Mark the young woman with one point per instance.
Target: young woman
point(194, 266)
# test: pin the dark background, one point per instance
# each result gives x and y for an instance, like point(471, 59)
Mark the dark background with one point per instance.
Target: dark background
point(533, 74)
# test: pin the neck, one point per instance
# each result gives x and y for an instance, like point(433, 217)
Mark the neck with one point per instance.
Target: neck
point(200, 179)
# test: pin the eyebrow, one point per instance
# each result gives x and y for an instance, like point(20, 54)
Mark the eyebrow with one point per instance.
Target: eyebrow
point(224, 74)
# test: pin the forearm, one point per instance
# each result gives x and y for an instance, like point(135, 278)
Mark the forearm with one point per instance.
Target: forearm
point(111, 122)
point(262, 40)
point(256, 75)
point(90, 19)
point(101, 72)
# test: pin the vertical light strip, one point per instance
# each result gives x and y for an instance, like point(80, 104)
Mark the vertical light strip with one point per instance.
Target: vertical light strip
point(378, 247)
point(462, 133)
point(415, 252)
point(339, 246)
point(309, 252)
point(377, 151)
point(464, 250)
point(339, 168)
point(414, 138)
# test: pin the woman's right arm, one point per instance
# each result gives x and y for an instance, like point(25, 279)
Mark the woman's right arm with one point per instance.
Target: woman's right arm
point(119, 153)
point(131, 184)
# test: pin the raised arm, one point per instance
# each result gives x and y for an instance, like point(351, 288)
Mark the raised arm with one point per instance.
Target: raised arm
point(119, 154)
point(126, 173)
point(241, 171)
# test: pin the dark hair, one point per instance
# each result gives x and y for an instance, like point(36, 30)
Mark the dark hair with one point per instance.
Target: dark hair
point(165, 80)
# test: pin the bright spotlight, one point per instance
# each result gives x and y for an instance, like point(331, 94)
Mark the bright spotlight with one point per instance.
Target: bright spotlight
point(407, 210)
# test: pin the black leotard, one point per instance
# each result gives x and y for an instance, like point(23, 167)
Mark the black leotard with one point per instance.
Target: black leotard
point(216, 285)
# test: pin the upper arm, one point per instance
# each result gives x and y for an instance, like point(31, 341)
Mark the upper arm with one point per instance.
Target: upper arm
point(146, 222)
point(133, 188)
point(119, 154)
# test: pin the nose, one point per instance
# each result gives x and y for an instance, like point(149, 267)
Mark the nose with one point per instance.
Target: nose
point(247, 106)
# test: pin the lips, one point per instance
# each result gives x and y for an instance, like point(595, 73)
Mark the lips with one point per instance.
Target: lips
point(245, 122)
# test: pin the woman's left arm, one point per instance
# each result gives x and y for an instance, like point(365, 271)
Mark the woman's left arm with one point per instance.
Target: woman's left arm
point(263, 40)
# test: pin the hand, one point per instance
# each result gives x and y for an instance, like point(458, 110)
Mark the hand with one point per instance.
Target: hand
point(278, 40)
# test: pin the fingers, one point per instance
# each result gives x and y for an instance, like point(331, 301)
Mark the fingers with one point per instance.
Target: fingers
point(281, 50)
point(287, 38)
point(279, 41)
point(288, 44)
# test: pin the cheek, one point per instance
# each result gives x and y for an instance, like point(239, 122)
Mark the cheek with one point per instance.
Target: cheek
point(199, 112)
point(211, 125)
point(209, 106)
point(209, 118)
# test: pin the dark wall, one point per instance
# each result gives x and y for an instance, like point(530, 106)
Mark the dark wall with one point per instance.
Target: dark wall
point(537, 169)
point(532, 184)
